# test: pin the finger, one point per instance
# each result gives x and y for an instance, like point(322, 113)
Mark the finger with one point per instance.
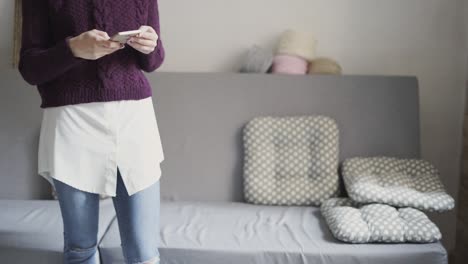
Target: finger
point(147, 35)
point(102, 34)
point(144, 42)
point(141, 48)
point(110, 51)
point(107, 49)
point(146, 28)
point(103, 52)
point(109, 44)
point(98, 35)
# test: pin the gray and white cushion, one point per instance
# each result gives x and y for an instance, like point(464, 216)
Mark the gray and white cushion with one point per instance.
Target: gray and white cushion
point(290, 160)
point(354, 223)
point(398, 182)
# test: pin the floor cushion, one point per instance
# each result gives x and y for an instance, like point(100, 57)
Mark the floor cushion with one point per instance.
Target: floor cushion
point(290, 160)
point(354, 223)
point(397, 182)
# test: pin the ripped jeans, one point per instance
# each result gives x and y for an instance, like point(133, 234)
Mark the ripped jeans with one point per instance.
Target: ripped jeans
point(137, 216)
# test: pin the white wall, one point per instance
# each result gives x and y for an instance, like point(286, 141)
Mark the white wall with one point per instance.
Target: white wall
point(425, 38)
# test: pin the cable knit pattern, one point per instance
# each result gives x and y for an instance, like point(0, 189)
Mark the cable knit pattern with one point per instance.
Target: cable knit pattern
point(142, 6)
point(47, 61)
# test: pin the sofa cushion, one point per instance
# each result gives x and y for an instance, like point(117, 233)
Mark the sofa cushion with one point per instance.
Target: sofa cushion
point(290, 160)
point(354, 223)
point(398, 182)
point(31, 231)
point(234, 232)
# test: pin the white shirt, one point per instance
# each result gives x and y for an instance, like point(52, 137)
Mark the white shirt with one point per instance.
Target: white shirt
point(82, 145)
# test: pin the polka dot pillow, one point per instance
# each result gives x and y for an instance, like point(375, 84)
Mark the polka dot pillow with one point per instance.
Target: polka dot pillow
point(398, 182)
point(354, 223)
point(290, 160)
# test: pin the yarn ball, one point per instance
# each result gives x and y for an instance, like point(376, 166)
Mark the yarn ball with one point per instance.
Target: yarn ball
point(297, 43)
point(324, 65)
point(257, 60)
point(289, 64)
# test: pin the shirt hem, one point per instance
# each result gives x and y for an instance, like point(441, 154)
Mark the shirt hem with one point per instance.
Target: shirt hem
point(133, 190)
point(49, 177)
point(143, 185)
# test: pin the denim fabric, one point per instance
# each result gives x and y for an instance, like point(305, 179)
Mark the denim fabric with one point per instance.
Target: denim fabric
point(137, 216)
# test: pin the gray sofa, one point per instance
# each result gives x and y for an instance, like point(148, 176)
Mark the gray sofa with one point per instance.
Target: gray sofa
point(204, 218)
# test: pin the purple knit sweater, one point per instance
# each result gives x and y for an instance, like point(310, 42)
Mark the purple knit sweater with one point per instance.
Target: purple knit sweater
point(46, 59)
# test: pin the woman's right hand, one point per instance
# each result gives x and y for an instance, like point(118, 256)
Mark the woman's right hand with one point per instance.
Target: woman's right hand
point(93, 44)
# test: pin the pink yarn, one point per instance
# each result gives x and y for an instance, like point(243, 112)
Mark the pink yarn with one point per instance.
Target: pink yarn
point(289, 64)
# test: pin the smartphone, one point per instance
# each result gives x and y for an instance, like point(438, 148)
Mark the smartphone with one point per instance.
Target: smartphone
point(123, 36)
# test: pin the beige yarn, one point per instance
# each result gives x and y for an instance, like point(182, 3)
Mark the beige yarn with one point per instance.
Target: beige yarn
point(298, 43)
point(324, 65)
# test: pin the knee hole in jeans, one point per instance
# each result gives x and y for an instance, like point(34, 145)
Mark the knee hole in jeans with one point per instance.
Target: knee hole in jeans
point(154, 260)
point(81, 249)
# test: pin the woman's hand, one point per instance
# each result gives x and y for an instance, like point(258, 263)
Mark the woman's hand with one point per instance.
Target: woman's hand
point(93, 45)
point(146, 41)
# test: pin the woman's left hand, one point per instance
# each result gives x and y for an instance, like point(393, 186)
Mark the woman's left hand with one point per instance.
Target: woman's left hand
point(146, 41)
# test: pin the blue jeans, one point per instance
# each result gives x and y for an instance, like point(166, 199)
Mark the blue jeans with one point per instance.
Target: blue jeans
point(137, 217)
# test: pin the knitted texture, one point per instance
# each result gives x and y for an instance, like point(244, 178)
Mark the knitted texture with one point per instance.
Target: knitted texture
point(257, 60)
point(289, 64)
point(324, 65)
point(47, 61)
point(297, 43)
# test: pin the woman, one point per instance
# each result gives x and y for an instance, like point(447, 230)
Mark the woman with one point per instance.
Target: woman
point(99, 134)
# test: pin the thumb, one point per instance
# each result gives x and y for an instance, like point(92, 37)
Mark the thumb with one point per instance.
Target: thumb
point(146, 28)
point(102, 34)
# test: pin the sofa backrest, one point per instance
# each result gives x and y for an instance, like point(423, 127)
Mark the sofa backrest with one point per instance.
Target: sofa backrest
point(201, 117)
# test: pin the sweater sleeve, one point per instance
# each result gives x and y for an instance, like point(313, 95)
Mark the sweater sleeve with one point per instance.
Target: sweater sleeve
point(150, 62)
point(40, 60)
